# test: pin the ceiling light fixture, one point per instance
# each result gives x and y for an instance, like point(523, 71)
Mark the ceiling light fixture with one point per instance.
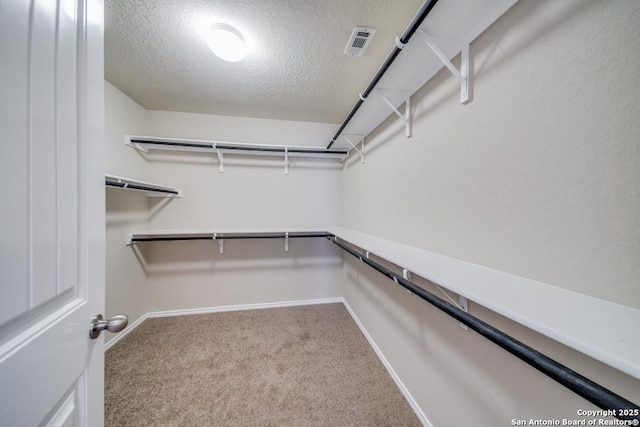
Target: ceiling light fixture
point(226, 42)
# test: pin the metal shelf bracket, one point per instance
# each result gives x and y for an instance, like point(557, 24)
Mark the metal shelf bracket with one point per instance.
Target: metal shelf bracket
point(406, 274)
point(221, 160)
point(137, 147)
point(220, 242)
point(406, 117)
point(464, 305)
point(464, 75)
point(286, 160)
point(357, 141)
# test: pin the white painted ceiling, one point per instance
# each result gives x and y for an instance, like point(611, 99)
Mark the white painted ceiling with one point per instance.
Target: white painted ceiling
point(154, 52)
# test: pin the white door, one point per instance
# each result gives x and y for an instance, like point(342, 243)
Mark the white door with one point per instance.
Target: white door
point(52, 214)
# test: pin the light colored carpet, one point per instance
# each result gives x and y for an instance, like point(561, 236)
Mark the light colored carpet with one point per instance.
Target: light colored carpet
point(295, 366)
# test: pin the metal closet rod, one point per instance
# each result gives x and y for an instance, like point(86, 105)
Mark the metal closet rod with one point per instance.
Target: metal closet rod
point(139, 187)
point(593, 392)
point(291, 235)
point(240, 148)
point(584, 387)
point(406, 36)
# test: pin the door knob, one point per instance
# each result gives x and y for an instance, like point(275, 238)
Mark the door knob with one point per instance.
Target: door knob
point(115, 324)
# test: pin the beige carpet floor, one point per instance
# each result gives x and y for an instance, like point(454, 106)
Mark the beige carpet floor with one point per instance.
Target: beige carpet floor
point(295, 366)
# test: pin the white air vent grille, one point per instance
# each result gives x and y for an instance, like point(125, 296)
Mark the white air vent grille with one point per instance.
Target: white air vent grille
point(359, 40)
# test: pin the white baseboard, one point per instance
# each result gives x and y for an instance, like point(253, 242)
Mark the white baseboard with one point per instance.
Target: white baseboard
point(403, 389)
point(416, 408)
point(126, 331)
point(241, 307)
point(205, 310)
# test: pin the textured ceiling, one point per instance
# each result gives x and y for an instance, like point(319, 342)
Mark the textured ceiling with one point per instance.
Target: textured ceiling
point(155, 53)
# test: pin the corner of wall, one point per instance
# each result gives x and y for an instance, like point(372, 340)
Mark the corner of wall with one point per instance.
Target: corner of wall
point(125, 281)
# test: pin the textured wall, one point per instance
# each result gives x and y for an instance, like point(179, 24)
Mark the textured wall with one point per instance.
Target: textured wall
point(253, 192)
point(538, 176)
point(126, 211)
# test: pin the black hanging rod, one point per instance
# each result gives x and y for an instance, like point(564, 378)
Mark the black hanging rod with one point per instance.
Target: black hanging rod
point(172, 143)
point(240, 147)
point(591, 391)
point(406, 36)
point(272, 236)
point(292, 235)
point(139, 187)
point(168, 239)
point(280, 150)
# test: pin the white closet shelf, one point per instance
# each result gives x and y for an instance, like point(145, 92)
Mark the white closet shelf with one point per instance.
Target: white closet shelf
point(226, 234)
point(152, 190)
point(445, 32)
point(603, 330)
point(146, 143)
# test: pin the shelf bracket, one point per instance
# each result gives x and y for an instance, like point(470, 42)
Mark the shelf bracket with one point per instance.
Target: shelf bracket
point(138, 147)
point(406, 274)
point(464, 305)
point(464, 75)
point(286, 241)
point(286, 160)
point(221, 160)
point(361, 140)
point(406, 117)
point(220, 242)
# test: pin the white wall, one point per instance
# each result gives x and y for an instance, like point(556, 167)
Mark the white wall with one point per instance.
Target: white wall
point(126, 211)
point(538, 176)
point(253, 192)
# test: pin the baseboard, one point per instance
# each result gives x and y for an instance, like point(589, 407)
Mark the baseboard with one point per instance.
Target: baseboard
point(126, 331)
point(416, 408)
point(241, 307)
point(219, 309)
point(403, 389)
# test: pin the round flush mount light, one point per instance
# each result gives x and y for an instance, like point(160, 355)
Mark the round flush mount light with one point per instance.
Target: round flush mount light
point(226, 42)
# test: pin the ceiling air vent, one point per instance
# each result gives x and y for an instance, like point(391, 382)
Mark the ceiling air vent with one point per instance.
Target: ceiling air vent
point(359, 40)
